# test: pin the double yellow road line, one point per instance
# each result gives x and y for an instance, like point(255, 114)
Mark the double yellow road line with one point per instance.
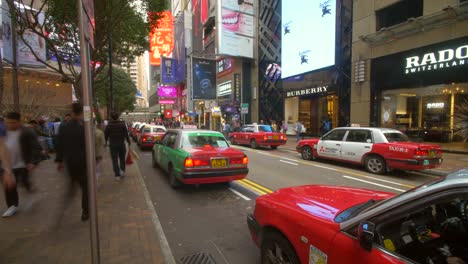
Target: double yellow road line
point(254, 186)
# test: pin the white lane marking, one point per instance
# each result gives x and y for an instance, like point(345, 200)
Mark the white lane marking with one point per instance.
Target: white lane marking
point(387, 181)
point(292, 163)
point(373, 183)
point(295, 160)
point(240, 194)
point(324, 167)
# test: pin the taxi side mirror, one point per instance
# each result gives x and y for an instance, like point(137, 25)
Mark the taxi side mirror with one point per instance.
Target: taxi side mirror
point(366, 232)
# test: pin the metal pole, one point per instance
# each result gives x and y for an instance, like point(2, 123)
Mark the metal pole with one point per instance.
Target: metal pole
point(89, 136)
point(14, 41)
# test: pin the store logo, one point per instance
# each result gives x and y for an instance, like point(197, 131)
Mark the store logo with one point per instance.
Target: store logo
point(437, 60)
point(317, 90)
point(435, 105)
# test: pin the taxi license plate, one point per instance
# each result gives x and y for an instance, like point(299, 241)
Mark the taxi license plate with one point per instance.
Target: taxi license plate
point(425, 162)
point(275, 137)
point(149, 138)
point(218, 163)
point(431, 153)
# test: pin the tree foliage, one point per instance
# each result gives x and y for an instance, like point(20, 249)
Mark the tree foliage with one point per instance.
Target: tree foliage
point(119, 19)
point(125, 89)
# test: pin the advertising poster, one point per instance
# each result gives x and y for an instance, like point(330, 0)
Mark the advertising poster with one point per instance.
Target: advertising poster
point(308, 36)
point(179, 49)
point(168, 70)
point(161, 39)
point(204, 79)
point(235, 25)
point(237, 22)
point(24, 54)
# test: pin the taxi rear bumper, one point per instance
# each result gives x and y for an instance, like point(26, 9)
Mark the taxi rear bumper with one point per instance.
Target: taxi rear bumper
point(415, 164)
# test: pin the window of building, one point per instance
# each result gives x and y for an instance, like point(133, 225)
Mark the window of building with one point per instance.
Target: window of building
point(398, 13)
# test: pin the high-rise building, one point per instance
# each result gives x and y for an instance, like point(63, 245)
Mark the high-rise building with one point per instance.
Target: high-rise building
point(139, 76)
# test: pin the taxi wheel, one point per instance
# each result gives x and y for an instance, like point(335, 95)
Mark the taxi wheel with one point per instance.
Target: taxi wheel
point(276, 248)
point(253, 144)
point(306, 153)
point(173, 181)
point(375, 164)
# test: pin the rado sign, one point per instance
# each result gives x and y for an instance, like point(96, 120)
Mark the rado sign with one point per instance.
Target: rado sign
point(441, 59)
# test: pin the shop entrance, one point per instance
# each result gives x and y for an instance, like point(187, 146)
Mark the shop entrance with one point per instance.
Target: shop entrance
point(313, 111)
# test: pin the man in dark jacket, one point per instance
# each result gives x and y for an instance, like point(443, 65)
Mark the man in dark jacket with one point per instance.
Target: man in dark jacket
point(71, 155)
point(116, 133)
point(25, 153)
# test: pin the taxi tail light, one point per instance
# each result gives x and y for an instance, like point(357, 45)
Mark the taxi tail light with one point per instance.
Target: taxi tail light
point(188, 163)
point(421, 152)
point(265, 138)
point(239, 161)
point(245, 160)
point(198, 163)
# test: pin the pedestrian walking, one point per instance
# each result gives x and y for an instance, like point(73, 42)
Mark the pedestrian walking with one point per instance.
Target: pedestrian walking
point(285, 126)
point(116, 134)
point(71, 156)
point(99, 146)
point(24, 151)
point(298, 129)
point(42, 137)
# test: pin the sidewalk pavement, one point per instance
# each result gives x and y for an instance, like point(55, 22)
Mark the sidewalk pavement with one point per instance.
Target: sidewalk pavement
point(453, 161)
point(126, 229)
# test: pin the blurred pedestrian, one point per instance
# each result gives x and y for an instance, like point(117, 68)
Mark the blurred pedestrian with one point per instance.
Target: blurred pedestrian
point(71, 156)
point(116, 134)
point(99, 145)
point(285, 126)
point(8, 179)
point(42, 137)
point(24, 152)
point(273, 125)
point(298, 128)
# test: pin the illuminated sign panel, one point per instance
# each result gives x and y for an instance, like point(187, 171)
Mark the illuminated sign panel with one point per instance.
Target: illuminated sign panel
point(162, 39)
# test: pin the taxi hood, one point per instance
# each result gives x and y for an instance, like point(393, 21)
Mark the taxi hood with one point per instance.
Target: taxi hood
point(325, 202)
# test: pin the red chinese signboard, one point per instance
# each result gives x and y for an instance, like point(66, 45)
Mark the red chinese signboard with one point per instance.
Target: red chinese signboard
point(162, 39)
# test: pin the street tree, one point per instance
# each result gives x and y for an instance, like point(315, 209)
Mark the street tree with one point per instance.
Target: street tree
point(128, 23)
point(125, 89)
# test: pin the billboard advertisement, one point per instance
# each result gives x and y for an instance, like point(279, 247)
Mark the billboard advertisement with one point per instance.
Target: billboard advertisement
point(204, 79)
point(161, 39)
point(167, 91)
point(235, 26)
point(168, 70)
point(179, 49)
point(24, 54)
point(308, 36)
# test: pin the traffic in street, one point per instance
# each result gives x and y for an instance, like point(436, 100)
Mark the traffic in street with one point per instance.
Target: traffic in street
point(219, 211)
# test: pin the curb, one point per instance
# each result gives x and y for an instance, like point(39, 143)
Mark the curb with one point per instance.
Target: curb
point(164, 244)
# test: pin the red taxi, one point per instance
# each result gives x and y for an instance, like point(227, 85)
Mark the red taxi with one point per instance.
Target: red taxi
point(149, 135)
point(258, 135)
point(136, 131)
point(378, 149)
point(328, 224)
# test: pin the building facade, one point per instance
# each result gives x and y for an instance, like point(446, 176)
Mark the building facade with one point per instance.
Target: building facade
point(139, 75)
point(410, 59)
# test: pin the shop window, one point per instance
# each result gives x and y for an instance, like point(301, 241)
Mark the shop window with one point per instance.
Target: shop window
point(398, 13)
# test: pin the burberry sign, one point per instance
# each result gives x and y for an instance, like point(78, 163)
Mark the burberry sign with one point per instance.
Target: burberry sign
point(307, 91)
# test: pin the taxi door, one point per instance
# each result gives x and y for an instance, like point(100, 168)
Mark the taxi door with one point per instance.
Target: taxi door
point(329, 146)
point(356, 144)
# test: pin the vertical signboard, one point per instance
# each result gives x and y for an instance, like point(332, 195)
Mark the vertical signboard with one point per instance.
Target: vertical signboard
point(162, 39)
point(179, 49)
point(204, 78)
point(236, 26)
point(168, 70)
point(237, 88)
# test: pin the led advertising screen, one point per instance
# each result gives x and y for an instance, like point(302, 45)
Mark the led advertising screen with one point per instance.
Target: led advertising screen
point(307, 36)
point(204, 78)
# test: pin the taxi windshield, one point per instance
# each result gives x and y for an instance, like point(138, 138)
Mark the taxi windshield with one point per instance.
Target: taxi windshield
point(265, 129)
point(203, 140)
point(395, 137)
